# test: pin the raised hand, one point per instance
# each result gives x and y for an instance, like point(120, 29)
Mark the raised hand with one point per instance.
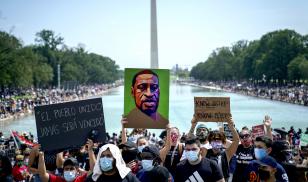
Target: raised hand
point(267, 121)
point(89, 144)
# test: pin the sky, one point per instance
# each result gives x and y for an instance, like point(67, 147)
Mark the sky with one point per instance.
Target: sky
point(188, 30)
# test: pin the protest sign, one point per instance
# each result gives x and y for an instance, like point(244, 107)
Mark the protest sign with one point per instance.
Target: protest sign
point(68, 125)
point(212, 109)
point(146, 98)
point(257, 131)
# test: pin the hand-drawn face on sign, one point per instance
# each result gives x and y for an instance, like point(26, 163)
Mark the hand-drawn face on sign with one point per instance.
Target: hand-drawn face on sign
point(145, 91)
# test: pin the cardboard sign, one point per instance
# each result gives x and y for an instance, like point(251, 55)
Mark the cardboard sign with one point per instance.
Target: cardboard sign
point(68, 125)
point(146, 98)
point(212, 109)
point(257, 131)
point(228, 132)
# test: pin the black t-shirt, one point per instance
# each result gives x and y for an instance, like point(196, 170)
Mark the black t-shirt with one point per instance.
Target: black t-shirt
point(176, 159)
point(114, 178)
point(243, 157)
point(157, 174)
point(206, 170)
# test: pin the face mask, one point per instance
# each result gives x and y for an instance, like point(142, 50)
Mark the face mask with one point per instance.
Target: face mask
point(216, 145)
point(147, 165)
point(129, 155)
point(260, 153)
point(69, 175)
point(192, 156)
point(263, 174)
point(105, 163)
point(140, 148)
point(174, 137)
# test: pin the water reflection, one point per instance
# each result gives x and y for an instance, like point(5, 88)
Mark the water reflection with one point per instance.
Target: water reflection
point(247, 111)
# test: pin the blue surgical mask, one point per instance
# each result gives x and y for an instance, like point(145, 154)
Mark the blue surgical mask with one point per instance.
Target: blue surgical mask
point(69, 175)
point(106, 163)
point(192, 155)
point(147, 165)
point(260, 153)
point(140, 148)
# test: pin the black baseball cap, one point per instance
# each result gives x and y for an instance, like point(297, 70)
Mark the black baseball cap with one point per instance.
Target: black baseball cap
point(70, 161)
point(150, 150)
point(128, 144)
point(268, 161)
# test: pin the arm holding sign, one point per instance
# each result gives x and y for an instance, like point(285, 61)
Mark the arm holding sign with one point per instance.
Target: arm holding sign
point(123, 122)
point(193, 126)
point(33, 154)
point(92, 158)
point(44, 176)
point(60, 160)
point(164, 151)
point(268, 123)
point(232, 149)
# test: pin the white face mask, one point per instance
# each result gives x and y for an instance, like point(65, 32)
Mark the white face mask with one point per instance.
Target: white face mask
point(147, 165)
point(69, 175)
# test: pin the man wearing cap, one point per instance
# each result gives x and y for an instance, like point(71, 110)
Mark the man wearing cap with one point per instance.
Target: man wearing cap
point(262, 149)
point(151, 170)
point(266, 169)
point(71, 171)
point(129, 155)
point(201, 133)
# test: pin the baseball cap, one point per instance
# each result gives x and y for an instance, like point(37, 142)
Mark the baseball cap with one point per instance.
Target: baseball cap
point(201, 126)
point(128, 144)
point(151, 149)
point(267, 161)
point(70, 161)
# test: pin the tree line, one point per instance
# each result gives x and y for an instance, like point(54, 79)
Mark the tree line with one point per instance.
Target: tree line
point(279, 55)
point(36, 65)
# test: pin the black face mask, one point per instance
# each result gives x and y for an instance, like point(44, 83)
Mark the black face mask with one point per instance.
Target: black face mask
point(263, 174)
point(129, 155)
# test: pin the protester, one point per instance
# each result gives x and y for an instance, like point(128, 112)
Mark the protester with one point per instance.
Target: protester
point(151, 170)
point(244, 154)
point(196, 168)
point(110, 166)
point(20, 171)
point(202, 133)
point(172, 152)
point(71, 171)
point(217, 153)
point(263, 147)
point(129, 154)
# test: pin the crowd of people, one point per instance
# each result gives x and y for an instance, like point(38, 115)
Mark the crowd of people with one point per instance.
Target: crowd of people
point(15, 103)
point(199, 154)
point(291, 93)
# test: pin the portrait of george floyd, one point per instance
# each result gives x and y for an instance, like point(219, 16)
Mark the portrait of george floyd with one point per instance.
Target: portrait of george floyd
point(146, 98)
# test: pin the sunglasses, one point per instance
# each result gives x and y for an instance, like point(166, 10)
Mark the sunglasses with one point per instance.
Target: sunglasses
point(244, 136)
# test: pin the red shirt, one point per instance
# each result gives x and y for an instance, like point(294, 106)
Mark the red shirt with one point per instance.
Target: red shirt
point(53, 178)
point(19, 172)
